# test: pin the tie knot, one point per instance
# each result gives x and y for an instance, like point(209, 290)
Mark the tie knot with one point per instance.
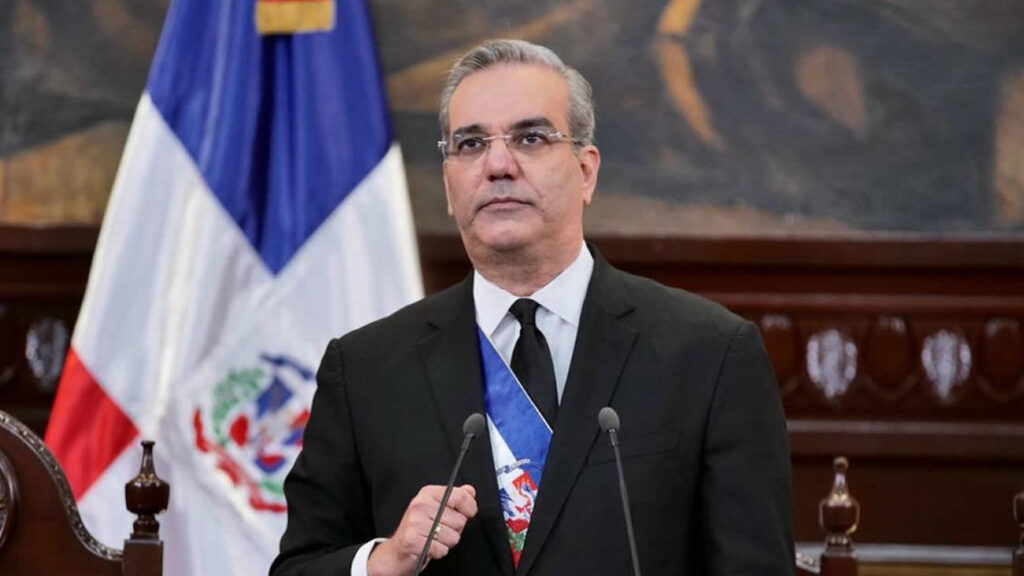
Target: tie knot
point(525, 311)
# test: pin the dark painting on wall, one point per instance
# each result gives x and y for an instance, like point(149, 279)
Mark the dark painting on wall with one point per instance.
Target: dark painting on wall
point(715, 117)
point(71, 74)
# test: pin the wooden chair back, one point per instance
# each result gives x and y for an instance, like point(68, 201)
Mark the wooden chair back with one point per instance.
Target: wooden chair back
point(41, 531)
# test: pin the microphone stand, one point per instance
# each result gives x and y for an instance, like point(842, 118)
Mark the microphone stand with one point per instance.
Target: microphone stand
point(609, 421)
point(473, 425)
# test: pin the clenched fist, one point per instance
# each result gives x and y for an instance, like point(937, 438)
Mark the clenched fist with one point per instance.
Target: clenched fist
point(397, 555)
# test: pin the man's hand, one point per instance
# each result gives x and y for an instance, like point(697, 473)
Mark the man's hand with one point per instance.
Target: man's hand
point(397, 555)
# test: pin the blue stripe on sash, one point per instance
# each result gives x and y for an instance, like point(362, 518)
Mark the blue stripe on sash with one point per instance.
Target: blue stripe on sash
point(509, 407)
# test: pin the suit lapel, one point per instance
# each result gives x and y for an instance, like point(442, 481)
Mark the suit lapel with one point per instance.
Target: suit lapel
point(452, 362)
point(603, 344)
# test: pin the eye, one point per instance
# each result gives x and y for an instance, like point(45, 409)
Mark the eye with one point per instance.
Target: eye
point(470, 145)
point(531, 139)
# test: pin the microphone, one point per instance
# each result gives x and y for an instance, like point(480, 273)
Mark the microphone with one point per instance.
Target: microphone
point(471, 428)
point(609, 421)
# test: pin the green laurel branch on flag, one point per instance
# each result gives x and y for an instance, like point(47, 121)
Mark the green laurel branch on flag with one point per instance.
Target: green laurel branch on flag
point(237, 387)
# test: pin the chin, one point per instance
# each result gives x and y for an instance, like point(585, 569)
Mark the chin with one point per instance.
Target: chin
point(506, 246)
point(506, 242)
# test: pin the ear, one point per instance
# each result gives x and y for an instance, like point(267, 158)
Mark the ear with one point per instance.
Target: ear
point(590, 164)
point(447, 188)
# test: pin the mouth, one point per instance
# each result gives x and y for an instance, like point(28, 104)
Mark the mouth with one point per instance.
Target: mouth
point(502, 202)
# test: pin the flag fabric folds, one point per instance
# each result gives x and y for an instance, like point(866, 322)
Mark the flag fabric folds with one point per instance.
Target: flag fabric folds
point(259, 210)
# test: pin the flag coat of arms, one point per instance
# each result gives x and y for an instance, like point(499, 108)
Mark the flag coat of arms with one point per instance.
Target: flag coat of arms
point(260, 209)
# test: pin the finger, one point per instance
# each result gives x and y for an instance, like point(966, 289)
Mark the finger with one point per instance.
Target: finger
point(430, 493)
point(426, 501)
point(454, 519)
point(463, 499)
point(415, 527)
point(452, 522)
point(414, 535)
point(441, 543)
point(448, 536)
point(434, 493)
point(438, 550)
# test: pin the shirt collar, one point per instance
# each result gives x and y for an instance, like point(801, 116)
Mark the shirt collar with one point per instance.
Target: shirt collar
point(563, 296)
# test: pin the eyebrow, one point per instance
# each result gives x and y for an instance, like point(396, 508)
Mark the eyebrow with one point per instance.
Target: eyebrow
point(537, 121)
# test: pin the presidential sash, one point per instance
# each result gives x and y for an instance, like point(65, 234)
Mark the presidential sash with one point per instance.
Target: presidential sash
point(519, 438)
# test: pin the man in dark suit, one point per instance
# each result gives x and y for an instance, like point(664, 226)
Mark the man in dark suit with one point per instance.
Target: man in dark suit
point(703, 435)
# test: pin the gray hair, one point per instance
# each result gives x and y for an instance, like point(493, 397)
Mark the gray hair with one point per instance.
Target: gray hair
point(493, 52)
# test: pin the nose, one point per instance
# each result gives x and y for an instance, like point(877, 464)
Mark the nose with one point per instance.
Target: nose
point(500, 163)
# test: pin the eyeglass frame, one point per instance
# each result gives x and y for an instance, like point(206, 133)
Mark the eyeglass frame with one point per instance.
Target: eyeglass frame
point(442, 145)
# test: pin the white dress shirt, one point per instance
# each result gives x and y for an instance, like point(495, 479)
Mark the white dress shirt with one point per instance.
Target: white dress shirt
point(558, 318)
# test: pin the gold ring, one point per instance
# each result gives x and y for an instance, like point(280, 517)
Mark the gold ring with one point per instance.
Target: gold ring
point(437, 532)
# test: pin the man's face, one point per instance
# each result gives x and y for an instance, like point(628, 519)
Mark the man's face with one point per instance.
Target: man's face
point(504, 200)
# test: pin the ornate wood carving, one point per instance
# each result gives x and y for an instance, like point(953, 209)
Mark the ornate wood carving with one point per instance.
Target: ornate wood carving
point(914, 371)
point(1001, 360)
point(839, 515)
point(36, 445)
point(147, 495)
point(8, 354)
point(43, 272)
point(8, 498)
point(34, 339)
point(782, 343)
point(917, 368)
point(839, 512)
point(897, 364)
point(832, 358)
point(46, 344)
point(889, 359)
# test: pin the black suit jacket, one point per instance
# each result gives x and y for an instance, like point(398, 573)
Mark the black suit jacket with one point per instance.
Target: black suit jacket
point(703, 440)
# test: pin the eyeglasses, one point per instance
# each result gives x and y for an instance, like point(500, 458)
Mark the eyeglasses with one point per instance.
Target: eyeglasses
point(525, 142)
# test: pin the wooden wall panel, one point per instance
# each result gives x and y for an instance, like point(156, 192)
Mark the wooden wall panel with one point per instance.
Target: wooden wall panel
point(43, 272)
point(904, 354)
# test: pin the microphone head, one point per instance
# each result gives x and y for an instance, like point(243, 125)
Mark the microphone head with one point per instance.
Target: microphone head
point(608, 419)
point(474, 424)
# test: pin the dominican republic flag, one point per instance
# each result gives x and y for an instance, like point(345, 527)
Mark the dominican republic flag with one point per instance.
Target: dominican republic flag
point(260, 209)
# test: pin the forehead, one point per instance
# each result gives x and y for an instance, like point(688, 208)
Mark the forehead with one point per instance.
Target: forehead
point(498, 97)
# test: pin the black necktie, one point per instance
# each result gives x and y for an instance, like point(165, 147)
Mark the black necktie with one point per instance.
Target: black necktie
point(531, 360)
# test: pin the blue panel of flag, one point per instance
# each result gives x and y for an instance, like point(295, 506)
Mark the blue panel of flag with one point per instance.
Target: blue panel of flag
point(281, 127)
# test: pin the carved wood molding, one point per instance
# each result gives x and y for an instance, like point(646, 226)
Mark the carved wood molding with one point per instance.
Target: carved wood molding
point(908, 440)
point(951, 366)
point(33, 343)
point(902, 324)
point(48, 239)
point(8, 498)
point(854, 251)
point(43, 273)
point(885, 346)
point(40, 451)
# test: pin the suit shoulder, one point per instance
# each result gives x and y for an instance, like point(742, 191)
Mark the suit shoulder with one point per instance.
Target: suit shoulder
point(405, 325)
point(658, 304)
